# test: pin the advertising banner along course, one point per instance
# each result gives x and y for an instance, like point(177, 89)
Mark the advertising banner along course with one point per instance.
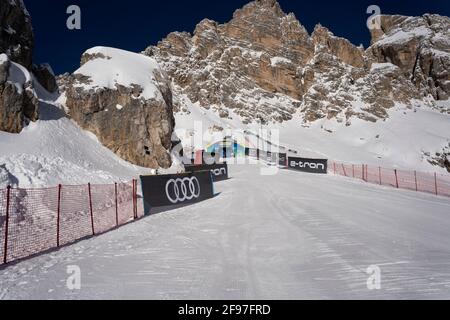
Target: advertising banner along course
point(308, 165)
point(219, 171)
point(174, 189)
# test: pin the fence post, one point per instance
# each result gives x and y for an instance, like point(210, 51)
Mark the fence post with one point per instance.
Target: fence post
point(379, 174)
point(353, 170)
point(90, 208)
point(134, 198)
point(334, 167)
point(435, 183)
point(343, 168)
point(415, 179)
point(58, 219)
point(396, 178)
point(5, 249)
point(362, 169)
point(117, 209)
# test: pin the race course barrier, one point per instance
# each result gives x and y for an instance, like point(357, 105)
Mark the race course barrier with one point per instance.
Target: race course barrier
point(36, 220)
point(219, 171)
point(174, 189)
point(308, 165)
point(438, 184)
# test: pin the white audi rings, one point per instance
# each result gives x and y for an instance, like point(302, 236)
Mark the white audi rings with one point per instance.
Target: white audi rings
point(182, 189)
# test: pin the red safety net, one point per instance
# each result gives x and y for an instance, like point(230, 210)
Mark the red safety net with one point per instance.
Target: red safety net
point(36, 220)
point(438, 184)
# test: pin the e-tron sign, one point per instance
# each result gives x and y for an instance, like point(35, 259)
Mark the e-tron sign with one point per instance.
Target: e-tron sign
point(175, 189)
point(308, 165)
point(219, 171)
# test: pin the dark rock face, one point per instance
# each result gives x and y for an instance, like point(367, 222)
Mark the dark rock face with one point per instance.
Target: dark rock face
point(16, 33)
point(18, 102)
point(45, 76)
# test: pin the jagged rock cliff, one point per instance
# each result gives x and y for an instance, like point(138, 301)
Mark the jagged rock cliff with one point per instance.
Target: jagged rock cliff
point(18, 101)
point(420, 47)
point(264, 66)
point(16, 32)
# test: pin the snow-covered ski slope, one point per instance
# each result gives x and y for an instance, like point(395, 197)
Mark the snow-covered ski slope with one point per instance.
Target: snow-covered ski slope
point(55, 150)
point(287, 236)
point(401, 141)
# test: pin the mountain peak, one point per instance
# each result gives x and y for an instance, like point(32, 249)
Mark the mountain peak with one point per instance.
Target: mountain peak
point(260, 7)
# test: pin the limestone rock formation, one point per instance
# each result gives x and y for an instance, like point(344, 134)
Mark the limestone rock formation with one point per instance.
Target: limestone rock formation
point(125, 99)
point(263, 66)
point(420, 47)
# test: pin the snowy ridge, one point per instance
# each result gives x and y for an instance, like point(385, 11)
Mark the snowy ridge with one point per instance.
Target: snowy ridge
point(55, 150)
point(114, 66)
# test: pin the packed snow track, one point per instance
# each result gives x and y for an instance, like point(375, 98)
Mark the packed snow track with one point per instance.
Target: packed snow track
point(286, 236)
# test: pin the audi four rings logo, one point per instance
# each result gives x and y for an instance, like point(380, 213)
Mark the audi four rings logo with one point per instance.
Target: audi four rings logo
point(219, 171)
point(182, 189)
point(311, 165)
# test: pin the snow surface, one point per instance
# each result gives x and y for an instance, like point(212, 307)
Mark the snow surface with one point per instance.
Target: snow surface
point(288, 236)
point(401, 37)
point(279, 60)
point(121, 67)
point(400, 141)
point(56, 150)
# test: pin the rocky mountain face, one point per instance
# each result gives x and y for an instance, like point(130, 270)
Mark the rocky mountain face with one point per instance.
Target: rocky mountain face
point(264, 66)
point(18, 101)
point(16, 32)
point(125, 99)
point(420, 47)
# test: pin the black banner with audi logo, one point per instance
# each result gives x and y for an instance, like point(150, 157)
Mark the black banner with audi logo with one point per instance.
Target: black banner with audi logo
point(175, 189)
point(219, 171)
point(308, 165)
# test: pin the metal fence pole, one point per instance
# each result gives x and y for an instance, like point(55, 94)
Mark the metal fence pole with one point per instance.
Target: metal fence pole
point(353, 170)
point(5, 249)
point(90, 208)
point(134, 199)
point(435, 183)
point(379, 174)
point(343, 168)
point(415, 179)
point(396, 178)
point(117, 209)
point(58, 219)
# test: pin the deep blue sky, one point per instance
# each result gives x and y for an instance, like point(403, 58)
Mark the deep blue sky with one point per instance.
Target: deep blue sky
point(135, 24)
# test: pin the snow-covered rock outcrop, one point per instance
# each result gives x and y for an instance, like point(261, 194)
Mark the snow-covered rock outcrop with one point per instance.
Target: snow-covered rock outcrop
point(420, 47)
point(125, 99)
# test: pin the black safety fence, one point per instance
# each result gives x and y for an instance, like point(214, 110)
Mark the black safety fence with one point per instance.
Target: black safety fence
point(175, 189)
point(219, 171)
